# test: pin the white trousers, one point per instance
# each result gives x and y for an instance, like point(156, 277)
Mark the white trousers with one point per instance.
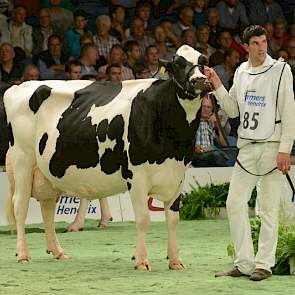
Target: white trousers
point(258, 158)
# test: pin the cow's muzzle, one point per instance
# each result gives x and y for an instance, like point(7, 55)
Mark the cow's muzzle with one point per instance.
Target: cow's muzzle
point(201, 84)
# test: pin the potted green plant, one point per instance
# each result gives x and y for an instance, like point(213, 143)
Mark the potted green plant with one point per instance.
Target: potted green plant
point(285, 254)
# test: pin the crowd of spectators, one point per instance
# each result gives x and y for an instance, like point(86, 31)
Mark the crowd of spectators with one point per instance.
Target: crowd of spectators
point(133, 39)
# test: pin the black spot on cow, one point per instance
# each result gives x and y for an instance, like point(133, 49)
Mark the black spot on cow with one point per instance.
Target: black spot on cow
point(114, 159)
point(77, 143)
point(176, 204)
point(42, 143)
point(158, 129)
point(128, 185)
point(40, 94)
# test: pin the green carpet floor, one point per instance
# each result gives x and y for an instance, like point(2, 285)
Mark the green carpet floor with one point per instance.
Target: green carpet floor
point(101, 263)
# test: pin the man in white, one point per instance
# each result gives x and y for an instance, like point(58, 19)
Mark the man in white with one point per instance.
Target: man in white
point(262, 94)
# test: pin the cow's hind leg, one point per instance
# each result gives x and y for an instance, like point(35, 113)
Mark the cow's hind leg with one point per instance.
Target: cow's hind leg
point(142, 218)
point(106, 215)
point(172, 219)
point(78, 223)
point(48, 212)
point(23, 175)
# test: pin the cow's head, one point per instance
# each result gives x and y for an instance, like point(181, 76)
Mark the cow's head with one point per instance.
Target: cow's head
point(187, 68)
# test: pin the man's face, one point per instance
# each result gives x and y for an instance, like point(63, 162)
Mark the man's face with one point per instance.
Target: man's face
point(6, 53)
point(152, 56)
point(54, 47)
point(207, 108)
point(75, 73)
point(257, 49)
point(116, 56)
point(80, 22)
point(135, 52)
point(45, 18)
point(19, 15)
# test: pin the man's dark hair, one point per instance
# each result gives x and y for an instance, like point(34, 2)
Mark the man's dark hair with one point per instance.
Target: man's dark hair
point(71, 63)
point(109, 67)
point(253, 31)
point(129, 45)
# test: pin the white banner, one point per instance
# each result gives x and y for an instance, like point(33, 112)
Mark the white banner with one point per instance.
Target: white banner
point(120, 205)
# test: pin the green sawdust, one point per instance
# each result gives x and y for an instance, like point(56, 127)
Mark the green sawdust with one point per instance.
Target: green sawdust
point(101, 263)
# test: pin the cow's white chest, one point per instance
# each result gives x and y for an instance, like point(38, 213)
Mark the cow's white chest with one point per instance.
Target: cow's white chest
point(191, 107)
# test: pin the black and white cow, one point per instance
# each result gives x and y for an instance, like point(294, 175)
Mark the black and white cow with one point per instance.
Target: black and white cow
point(97, 139)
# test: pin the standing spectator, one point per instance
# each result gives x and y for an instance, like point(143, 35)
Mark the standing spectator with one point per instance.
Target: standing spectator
point(165, 53)
point(73, 36)
point(199, 7)
point(17, 32)
point(73, 70)
point(118, 27)
point(62, 19)
point(132, 51)
point(232, 15)
point(42, 32)
point(138, 34)
point(156, 67)
point(226, 70)
point(103, 40)
point(263, 11)
point(51, 62)
point(31, 72)
point(10, 71)
point(116, 56)
point(209, 133)
point(202, 34)
point(185, 21)
point(114, 72)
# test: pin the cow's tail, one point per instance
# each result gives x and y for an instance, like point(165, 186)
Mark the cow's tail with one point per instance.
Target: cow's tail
point(10, 206)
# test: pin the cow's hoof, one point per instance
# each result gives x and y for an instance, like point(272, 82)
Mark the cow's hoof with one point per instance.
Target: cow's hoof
point(23, 259)
point(104, 223)
point(176, 266)
point(73, 228)
point(62, 256)
point(143, 266)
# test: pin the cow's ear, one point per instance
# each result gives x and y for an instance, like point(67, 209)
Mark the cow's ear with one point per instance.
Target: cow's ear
point(176, 64)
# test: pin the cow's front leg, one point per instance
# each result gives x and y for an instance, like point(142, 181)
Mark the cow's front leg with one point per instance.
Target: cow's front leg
point(172, 219)
point(78, 223)
point(142, 219)
point(48, 212)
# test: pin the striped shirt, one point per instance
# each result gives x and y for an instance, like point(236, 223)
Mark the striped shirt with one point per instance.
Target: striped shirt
point(105, 47)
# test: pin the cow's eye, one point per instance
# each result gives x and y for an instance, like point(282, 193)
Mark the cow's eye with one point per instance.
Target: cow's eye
point(201, 68)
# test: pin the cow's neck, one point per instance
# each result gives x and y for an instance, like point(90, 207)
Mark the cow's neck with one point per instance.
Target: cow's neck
point(191, 107)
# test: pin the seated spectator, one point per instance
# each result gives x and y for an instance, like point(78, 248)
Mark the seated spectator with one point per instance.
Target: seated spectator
point(114, 72)
point(232, 15)
point(10, 70)
point(31, 72)
point(42, 32)
point(202, 34)
point(116, 56)
point(73, 70)
point(141, 70)
point(263, 11)
point(62, 18)
point(165, 53)
point(17, 32)
point(209, 133)
point(172, 41)
point(227, 69)
point(118, 27)
point(213, 18)
point(199, 7)
point(185, 21)
point(132, 52)
point(280, 35)
point(143, 11)
point(51, 62)
point(103, 40)
point(138, 34)
point(88, 60)
point(188, 37)
point(156, 67)
point(291, 52)
point(73, 35)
